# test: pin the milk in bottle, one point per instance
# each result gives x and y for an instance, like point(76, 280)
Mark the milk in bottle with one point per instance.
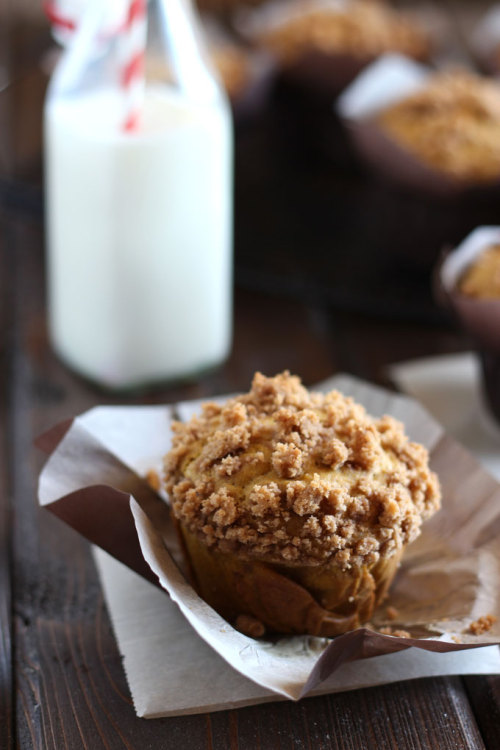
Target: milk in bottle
point(139, 219)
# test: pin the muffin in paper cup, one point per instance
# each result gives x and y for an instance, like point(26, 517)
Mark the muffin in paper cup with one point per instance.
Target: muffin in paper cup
point(324, 44)
point(294, 509)
point(480, 316)
point(433, 132)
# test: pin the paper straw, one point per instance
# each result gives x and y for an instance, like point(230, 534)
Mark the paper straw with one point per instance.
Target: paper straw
point(57, 19)
point(133, 44)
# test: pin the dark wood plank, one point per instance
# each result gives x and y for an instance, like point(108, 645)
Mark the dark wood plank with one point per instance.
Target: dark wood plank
point(424, 714)
point(484, 695)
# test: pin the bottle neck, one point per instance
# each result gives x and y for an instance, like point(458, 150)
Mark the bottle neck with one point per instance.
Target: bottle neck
point(174, 44)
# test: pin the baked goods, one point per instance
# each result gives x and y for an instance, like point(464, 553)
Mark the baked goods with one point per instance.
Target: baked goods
point(469, 284)
point(451, 125)
point(482, 278)
point(362, 29)
point(295, 508)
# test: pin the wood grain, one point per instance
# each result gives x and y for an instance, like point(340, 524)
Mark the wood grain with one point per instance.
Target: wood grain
point(484, 695)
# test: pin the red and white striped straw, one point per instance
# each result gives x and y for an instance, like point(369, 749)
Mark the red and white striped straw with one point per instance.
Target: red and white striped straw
point(133, 47)
point(57, 19)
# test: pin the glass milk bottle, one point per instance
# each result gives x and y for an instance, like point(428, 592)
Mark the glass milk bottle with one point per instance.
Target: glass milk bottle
point(138, 160)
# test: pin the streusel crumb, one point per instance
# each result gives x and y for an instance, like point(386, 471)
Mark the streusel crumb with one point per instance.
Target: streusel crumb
point(482, 625)
point(287, 476)
point(395, 632)
point(391, 613)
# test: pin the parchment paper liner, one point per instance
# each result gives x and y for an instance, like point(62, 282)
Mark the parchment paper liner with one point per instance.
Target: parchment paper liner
point(326, 73)
point(388, 80)
point(449, 577)
point(480, 317)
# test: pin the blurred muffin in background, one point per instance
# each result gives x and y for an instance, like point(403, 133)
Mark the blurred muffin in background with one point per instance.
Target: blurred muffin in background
point(482, 278)
point(452, 125)
point(437, 133)
point(470, 280)
point(326, 44)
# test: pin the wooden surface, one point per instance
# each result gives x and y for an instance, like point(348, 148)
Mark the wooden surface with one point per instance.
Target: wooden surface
point(304, 302)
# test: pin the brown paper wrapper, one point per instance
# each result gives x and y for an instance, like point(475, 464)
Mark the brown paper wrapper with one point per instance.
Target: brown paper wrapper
point(449, 576)
point(326, 74)
point(388, 158)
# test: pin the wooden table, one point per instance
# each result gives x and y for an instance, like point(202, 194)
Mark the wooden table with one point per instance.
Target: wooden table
point(61, 680)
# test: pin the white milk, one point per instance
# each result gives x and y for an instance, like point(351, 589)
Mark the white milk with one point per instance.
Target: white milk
point(139, 236)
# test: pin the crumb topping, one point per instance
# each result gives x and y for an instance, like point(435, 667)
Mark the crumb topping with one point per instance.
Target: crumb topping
point(362, 29)
point(153, 479)
point(482, 278)
point(391, 613)
point(395, 632)
point(452, 124)
point(482, 625)
point(287, 476)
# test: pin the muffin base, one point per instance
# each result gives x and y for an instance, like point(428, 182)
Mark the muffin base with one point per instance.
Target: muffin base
point(300, 599)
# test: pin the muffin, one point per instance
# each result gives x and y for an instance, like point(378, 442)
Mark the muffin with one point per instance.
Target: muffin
point(451, 126)
point(328, 44)
point(481, 279)
point(362, 28)
point(469, 282)
point(294, 508)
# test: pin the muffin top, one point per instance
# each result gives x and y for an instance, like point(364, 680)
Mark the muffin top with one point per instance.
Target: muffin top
point(452, 125)
point(289, 477)
point(482, 278)
point(362, 28)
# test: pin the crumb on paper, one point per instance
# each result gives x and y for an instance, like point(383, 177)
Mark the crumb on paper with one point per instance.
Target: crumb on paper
point(456, 639)
point(153, 479)
point(481, 625)
point(394, 632)
point(391, 613)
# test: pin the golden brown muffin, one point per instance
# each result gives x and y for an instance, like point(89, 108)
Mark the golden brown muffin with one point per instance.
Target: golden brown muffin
point(295, 508)
point(482, 278)
point(452, 125)
point(362, 28)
